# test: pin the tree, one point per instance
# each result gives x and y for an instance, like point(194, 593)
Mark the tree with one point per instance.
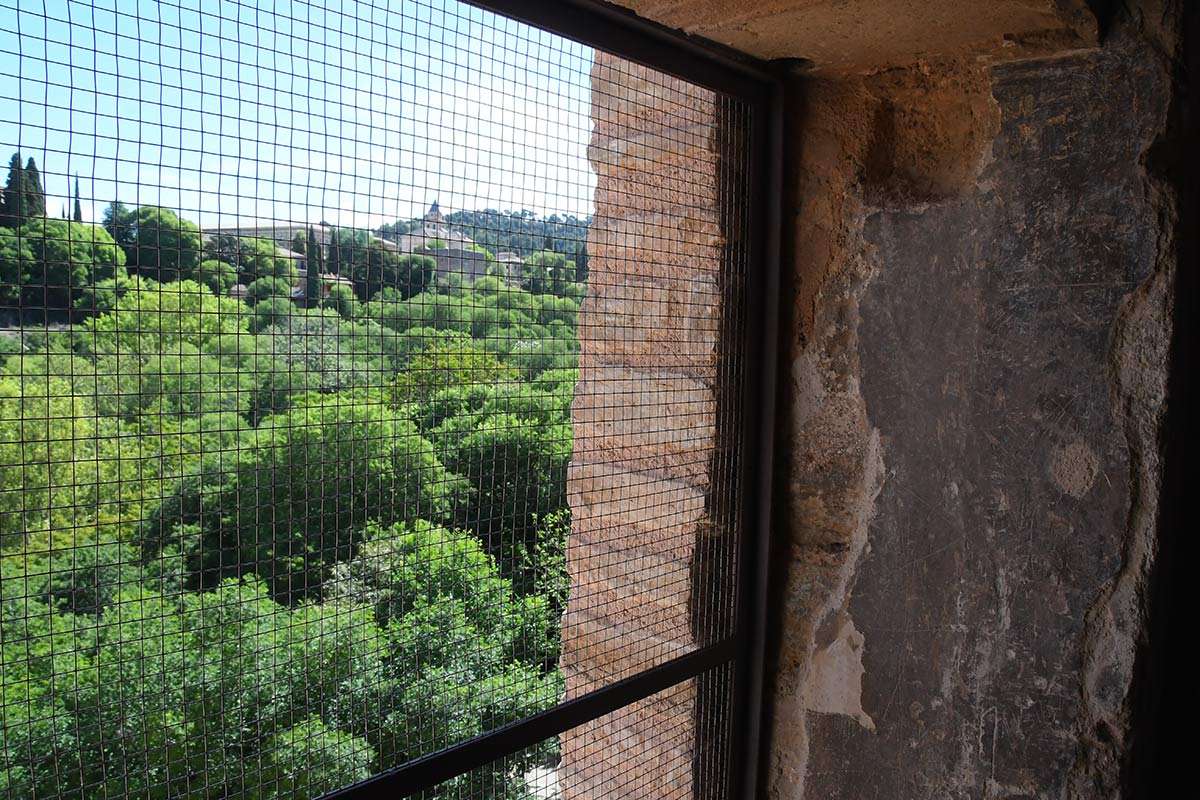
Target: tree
point(118, 221)
point(101, 297)
point(58, 261)
point(78, 205)
point(228, 248)
point(383, 269)
point(313, 270)
point(517, 468)
point(448, 364)
point(168, 248)
point(261, 259)
point(295, 505)
point(15, 253)
point(47, 457)
point(340, 299)
point(581, 263)
point(463, 651)
point(35, 196)
point(264, 288)
point(547, 272)
point(272, 310)
point(12, 205)
point(347, 247)
point(217, 275)
point(153, 318)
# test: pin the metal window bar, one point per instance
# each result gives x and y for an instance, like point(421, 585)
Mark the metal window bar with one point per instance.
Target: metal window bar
point(331, 587)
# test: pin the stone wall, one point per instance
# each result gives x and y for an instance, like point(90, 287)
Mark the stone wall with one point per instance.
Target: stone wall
point(982, 314)
point(645, 420)
point(983, 236)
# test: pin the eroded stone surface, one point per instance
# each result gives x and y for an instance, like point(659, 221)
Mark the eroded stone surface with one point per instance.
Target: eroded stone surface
point(841, 36)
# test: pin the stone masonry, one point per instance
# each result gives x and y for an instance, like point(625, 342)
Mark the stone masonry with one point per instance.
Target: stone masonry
point(645, 421)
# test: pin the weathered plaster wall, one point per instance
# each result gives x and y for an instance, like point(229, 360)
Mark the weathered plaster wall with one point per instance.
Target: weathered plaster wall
point(982, 312)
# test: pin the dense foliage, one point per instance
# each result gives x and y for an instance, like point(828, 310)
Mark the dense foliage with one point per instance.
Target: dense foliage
point(257, 550)
point(47, 264)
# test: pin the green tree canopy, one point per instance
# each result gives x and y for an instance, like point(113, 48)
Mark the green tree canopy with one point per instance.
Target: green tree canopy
point(262, 259)
point(78, 210)
point(272, 310)
point(292, 505)
point(152, 318)
point(47, 457)
point(55, 261)
point(547, 272)
point(382, 269)
point(165, 247)
point(118, 221)
point(229, 248)
point(218, 276)
point(35, 195)
point(266, 287)
point(314, 268)
point(15, 253)
point(341, 299)
point(347, 248)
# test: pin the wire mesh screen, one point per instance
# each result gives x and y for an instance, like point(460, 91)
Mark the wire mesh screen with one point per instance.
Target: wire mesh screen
point(608, 762)
point(369, 380)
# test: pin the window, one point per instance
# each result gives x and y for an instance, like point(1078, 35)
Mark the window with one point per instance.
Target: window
point(378, 402)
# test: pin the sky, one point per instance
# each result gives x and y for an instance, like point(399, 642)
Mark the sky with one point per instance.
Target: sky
point(287, 111)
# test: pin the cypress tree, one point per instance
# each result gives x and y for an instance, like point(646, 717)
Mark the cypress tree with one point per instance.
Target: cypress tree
point(35, 196)
point(12, 205)
point(312, 288)
point(581, 263)
point(334, 264)
point(78, 206)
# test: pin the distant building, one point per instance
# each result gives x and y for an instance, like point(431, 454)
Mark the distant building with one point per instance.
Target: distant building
point(511, 262)
point(328, 281)
point(282, 235)
point(454, 252)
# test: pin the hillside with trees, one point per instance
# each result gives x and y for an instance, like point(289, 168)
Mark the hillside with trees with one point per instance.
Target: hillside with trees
point(522, 232)
point(258, 550)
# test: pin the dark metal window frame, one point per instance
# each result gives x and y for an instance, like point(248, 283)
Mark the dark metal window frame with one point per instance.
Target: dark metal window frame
point(756, 84)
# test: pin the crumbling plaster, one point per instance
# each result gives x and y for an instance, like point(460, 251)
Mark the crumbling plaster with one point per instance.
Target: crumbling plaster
point(901, 138)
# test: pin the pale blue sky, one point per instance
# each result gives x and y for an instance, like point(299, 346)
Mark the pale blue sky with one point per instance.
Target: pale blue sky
point(356, 113)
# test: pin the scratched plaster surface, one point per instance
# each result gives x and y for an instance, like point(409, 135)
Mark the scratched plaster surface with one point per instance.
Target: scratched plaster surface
point(985, 342)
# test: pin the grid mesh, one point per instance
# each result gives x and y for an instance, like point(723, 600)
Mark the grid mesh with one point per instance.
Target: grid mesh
point(369, 380)
point(609, 762)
